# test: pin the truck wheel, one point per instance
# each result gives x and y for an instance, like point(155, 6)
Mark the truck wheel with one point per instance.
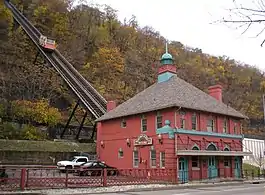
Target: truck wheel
point(68, 168)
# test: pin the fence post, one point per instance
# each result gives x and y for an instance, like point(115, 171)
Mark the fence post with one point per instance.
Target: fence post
point(22, 179)
point(66, 178)
point(104, 177)
point(27, 180)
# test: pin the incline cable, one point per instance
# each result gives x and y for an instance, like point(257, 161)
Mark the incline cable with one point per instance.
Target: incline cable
point(88, 95)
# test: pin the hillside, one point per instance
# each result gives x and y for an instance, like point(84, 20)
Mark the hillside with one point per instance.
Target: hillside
point(118, 58)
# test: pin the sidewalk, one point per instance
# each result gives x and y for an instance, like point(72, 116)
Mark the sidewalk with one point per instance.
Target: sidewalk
point(132, 188)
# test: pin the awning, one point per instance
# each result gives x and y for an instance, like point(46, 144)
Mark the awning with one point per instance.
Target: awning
point(211, 153)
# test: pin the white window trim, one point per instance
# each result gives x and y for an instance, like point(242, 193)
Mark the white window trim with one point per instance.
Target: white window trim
point(138, 159)
point(196, 121)
point(225, 124)
point(214, 121)
point(182, 117)
point(143, 117)
point(158, 114)
point(160, 160)
point(151, 159)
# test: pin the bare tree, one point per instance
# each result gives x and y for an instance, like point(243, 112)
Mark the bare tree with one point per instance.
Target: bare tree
point(259, 160)
point(246, 16)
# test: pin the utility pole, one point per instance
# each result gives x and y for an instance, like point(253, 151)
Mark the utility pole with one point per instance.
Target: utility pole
point(263, 101)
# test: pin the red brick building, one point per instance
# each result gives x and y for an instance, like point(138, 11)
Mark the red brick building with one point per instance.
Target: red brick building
point(173, 124)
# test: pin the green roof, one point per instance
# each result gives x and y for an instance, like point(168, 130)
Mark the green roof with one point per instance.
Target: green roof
point(166, 56)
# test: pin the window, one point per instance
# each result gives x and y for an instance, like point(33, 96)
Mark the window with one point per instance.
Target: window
point(211, 125)
point(162, 159)
point(182, 119)
point(152, 158)
point(225, 125)
point(195, 148)
point(135, 158)
point(226, 149)
point(195, 161)
point(143, 124)
point(226, 161)
point(194, 121)
point(235, 128)
point(120, 154)
point(123, 123)
point(159, 119)
point(82, 160)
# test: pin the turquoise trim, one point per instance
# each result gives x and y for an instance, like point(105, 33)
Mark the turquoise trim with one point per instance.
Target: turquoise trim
point(165, 76)
point(193, 132)
point(166, 61)
point(167, 129)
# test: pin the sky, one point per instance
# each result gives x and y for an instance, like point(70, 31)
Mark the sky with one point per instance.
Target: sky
point(190, 22)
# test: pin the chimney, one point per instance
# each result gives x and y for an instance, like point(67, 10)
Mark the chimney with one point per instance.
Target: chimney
point(111, 105)
point(216, 92)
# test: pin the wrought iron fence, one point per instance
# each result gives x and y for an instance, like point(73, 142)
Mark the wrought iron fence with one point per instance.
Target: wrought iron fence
point(21, 178)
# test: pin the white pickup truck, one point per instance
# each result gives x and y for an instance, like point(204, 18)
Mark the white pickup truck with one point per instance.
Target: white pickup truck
point(76, 161)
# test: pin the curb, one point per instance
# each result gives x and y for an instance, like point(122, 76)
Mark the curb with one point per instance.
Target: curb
point(180, 186)
point(175, 187)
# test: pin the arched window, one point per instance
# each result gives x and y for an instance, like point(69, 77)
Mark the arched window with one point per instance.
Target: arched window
point(195, 159)
point(226, 149)
point(211, 147)
point(195, 148)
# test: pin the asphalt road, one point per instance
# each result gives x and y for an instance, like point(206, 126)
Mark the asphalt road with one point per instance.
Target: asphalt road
point(248, 189)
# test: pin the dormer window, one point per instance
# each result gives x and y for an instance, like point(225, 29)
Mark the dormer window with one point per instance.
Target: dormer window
point(159, 119)
point(123, 123)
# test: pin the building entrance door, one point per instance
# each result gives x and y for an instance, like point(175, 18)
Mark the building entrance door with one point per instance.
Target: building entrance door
point(183, 170)
point(212, 169)
point(237, 167)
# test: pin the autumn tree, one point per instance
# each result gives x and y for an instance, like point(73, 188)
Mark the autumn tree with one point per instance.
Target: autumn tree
point(38, 111)
point(119, 58)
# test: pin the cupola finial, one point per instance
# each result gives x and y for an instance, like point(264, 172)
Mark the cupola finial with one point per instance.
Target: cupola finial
point(166, 57)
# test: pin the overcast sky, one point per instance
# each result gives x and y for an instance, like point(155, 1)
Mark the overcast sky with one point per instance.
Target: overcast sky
point(188, 21)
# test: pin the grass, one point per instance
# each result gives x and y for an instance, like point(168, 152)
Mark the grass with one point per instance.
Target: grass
point(46, 146)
